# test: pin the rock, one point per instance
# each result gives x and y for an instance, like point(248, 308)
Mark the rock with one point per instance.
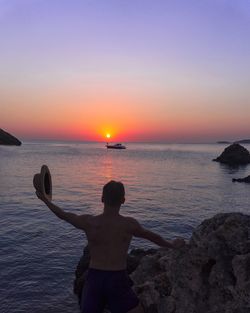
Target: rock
point(242, 180)
point(8, 139)
point(234, 154)
point(135, 256)
point(211, 274)
point(80, 272)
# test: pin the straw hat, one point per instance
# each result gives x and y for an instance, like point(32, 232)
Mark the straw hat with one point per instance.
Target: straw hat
point(43, 183)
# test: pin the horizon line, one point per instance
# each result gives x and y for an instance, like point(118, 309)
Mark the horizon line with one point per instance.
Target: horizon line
point(34, 140)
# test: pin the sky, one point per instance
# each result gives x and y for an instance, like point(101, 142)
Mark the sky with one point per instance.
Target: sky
point(141, 70)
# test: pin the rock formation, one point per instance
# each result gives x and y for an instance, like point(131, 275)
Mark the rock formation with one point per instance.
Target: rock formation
point(211, 274)
point(242, 180)
point(234, 154)
point(8, 139)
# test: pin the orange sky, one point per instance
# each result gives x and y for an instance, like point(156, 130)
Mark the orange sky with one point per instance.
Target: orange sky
point(127, 116)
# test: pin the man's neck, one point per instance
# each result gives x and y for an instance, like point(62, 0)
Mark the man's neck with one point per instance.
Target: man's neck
point(111, 211)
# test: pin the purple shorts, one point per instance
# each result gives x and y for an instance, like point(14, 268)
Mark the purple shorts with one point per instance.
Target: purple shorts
point(107, 289)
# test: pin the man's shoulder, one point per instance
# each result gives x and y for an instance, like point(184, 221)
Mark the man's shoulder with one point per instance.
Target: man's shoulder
point(88, 220)
point(129, 220)
point(91, 218)
point(85, 216)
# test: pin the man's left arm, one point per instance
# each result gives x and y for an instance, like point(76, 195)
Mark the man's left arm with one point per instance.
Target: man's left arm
point(79, 221)
point(141, 232)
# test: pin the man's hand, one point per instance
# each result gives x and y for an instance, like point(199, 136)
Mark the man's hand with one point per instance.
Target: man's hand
point(41, 196)
point(178, 243)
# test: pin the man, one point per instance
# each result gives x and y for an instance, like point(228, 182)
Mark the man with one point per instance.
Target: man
point(109, 235)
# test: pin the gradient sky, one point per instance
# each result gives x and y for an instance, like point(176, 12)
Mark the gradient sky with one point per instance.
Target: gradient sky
point(158, 70)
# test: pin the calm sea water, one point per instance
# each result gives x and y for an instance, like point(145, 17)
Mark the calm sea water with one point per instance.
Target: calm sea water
point(169, 189)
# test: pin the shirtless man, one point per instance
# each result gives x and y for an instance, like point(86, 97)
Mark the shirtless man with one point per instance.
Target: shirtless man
point(109, 235)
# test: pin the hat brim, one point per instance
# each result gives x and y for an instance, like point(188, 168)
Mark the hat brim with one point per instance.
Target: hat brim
point(43, 182)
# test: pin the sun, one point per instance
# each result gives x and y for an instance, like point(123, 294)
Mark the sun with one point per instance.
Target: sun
point(108, 135)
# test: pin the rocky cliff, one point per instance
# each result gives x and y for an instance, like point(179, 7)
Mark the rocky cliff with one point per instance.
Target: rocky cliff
point(8, 139)
point(211, 274)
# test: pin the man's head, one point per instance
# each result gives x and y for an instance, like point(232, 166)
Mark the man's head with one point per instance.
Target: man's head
point(113, 194)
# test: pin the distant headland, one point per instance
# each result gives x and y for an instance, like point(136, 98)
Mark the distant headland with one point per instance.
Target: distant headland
point(8, 139)
point(243, 141)
point(238, 141)
point(223, 142)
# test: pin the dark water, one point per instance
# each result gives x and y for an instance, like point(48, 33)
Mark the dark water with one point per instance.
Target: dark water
point(169, 189)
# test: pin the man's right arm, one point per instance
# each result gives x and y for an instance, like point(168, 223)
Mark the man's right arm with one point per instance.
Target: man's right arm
point(141, 232)
point(79, 221)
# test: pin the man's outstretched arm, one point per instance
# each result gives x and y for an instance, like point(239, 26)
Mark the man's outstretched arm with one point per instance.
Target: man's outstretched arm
point(141, 232)
point(79, 221)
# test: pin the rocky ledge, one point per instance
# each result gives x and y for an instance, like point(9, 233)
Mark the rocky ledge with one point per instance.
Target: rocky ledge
point(211, 274)
point(8, 139)
point(235, 154)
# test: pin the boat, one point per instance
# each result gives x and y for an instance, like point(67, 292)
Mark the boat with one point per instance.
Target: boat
point(115, 146)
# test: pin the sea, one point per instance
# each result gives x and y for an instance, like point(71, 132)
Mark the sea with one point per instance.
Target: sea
point(170, 189)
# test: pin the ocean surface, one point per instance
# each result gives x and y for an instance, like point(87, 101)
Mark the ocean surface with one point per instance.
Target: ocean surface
point(169, 188)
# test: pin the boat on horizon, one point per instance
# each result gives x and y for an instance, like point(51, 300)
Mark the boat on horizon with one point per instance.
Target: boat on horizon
point(115, 146)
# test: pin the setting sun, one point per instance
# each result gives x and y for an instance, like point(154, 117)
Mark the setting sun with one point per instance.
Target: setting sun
point(108, 135)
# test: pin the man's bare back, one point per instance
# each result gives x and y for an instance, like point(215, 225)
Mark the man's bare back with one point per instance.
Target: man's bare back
point(109, 235)
point(109, 238)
